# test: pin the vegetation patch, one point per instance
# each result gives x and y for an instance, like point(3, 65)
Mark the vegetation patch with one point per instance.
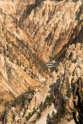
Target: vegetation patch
point(56, 117)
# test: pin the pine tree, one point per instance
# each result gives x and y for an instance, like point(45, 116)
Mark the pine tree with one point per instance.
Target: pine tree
point(48, 119)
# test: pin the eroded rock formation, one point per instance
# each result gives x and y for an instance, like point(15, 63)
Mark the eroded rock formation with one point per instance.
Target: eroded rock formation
point(30, 36)
point(78, 101)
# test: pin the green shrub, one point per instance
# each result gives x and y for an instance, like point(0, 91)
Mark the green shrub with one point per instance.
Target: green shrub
point(56, 117)
point(38, 115)
point(29, 116)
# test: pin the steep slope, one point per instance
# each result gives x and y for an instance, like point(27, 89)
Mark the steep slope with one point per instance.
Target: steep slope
point(51, 25)
point(31, 34)
point(78, 101)
point(67, 73)
point(20, 65)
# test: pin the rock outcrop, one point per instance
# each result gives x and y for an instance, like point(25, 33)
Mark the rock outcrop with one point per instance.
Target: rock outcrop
point(52, 25)
point(31, 35)
point(20, 65)
point(78, 101)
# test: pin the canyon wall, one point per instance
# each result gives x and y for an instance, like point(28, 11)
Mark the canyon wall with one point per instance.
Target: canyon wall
point(31, 35)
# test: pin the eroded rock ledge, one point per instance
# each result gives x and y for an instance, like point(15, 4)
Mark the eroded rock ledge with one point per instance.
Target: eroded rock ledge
point(33, 35)
point(78, 101)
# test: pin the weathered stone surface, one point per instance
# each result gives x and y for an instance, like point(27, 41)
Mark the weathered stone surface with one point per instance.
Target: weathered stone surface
point(30, 35)
point(51, 25)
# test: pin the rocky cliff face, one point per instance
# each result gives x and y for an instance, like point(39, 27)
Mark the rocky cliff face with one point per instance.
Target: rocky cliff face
point(20, 65)
point(31, 34)
point(51, 25)
point(78, 101)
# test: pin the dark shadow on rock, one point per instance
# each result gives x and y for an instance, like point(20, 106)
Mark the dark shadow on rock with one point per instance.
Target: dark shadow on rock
point(54, 86)
point(27, 12)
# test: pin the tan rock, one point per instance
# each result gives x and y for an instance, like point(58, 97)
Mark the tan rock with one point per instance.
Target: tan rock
point(70, 69)
point(73, 56)
point(67, 54)
point(78, 46)
point(77, 72)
